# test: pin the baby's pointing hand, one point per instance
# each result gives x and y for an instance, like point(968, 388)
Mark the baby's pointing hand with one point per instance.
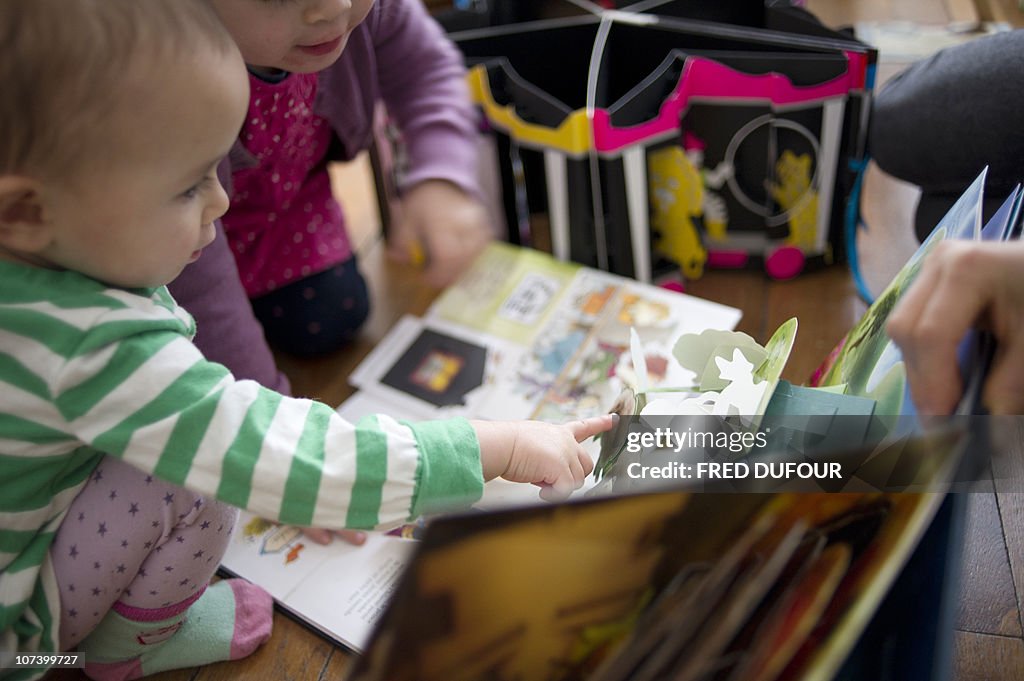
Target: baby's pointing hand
point(544, 454)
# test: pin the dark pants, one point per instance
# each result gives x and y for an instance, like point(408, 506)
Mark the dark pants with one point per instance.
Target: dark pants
point(316, 315)
point(943, 119)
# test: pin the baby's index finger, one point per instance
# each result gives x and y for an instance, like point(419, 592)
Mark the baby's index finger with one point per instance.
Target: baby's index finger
point(586, 428)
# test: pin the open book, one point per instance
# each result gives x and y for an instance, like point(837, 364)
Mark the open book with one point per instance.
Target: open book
point(649, 582)
point(521, 335)
point(650, 586)
point(339, 590)
point(676, 582)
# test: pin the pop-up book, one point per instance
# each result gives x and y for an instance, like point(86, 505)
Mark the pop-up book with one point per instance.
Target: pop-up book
point(680, 580)
point(693, 574)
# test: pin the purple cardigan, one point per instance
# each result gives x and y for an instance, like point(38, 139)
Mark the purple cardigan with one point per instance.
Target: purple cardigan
point(401, 56)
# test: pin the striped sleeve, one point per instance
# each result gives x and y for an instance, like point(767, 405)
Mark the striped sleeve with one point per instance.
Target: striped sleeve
point(154, 401)
point(87, 370)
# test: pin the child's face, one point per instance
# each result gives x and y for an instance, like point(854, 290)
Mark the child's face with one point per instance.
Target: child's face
point(301, 36)
point(143, 208)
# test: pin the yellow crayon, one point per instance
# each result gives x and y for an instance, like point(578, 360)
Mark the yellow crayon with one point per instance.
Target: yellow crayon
point(417, 255)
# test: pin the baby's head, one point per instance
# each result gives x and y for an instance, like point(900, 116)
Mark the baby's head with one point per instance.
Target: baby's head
point(114, 118)
point(301, 36)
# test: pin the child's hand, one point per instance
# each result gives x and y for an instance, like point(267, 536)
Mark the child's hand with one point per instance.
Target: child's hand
point(545, 454)
point(324, 537)
point(449, 226)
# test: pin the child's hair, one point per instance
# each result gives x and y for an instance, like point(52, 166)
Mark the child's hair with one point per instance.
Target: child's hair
point(63, 65)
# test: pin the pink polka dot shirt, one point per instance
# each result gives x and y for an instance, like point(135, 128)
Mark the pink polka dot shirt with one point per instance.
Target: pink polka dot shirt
point(284, 224)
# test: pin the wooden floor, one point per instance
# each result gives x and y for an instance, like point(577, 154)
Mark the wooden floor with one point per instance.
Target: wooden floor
point(989, 638)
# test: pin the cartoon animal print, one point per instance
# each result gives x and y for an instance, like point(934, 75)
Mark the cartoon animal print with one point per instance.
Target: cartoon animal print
point(796, 195)
point(677, 194)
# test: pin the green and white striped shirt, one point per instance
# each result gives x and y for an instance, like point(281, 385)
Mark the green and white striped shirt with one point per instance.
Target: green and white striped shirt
point(87, 370)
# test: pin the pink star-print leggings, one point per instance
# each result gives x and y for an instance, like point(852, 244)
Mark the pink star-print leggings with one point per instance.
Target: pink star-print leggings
point(132, 542)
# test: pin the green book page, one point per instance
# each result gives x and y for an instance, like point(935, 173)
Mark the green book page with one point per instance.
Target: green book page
point(509, 292)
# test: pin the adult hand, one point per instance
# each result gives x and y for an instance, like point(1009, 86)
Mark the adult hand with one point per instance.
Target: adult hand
point(446, 225)
point(963, 284)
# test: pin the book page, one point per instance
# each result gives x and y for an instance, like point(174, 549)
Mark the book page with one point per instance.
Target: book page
point(429, 369)
point(523, 335)
point(339, 589)
point(509, 292)
point(349, 590)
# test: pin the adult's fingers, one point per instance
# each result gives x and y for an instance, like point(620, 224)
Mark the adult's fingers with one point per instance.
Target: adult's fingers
point(451, 254)
point(929, 324)
point(402, 244)
point(1004, 389)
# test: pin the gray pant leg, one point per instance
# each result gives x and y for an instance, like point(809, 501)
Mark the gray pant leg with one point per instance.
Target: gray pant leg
point(942, 120)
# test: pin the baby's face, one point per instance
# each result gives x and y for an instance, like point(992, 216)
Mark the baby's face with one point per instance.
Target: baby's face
point(301, 36)
point(143, 207)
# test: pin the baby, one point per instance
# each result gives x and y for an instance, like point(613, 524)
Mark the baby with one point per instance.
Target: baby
point(124, 452)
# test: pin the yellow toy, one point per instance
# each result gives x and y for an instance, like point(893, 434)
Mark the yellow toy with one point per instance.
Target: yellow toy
point(795, 195)
point(677, 194)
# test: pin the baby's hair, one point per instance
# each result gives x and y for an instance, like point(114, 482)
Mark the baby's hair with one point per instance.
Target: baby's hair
point(63, 64)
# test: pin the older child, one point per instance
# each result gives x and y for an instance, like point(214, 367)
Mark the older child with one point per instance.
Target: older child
point(317, 69)
point(122, 449)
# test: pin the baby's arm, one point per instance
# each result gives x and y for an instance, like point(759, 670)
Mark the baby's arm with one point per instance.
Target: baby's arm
point(159, 405)
point(167, 410)
point(546, 455)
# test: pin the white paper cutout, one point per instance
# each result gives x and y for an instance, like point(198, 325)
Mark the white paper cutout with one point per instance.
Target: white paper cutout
point(740, 397)
point(636, 350)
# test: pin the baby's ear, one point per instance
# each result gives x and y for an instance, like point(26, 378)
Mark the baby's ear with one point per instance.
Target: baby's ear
point(22, 226)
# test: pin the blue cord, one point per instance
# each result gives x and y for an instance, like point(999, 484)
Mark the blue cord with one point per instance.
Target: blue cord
point(853, 222)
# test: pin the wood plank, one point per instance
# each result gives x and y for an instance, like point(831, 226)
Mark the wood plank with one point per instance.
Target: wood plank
point(64, 675)
point(825, 303)
point(293, 652)
point(980, 657)
point(187, 674)
point(988, 600)
point(963, 11)
point(837, 13)
point(337, 666)
point(1001, 10)
point(743, 289)
point(352, 184)
point(1008, 472)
